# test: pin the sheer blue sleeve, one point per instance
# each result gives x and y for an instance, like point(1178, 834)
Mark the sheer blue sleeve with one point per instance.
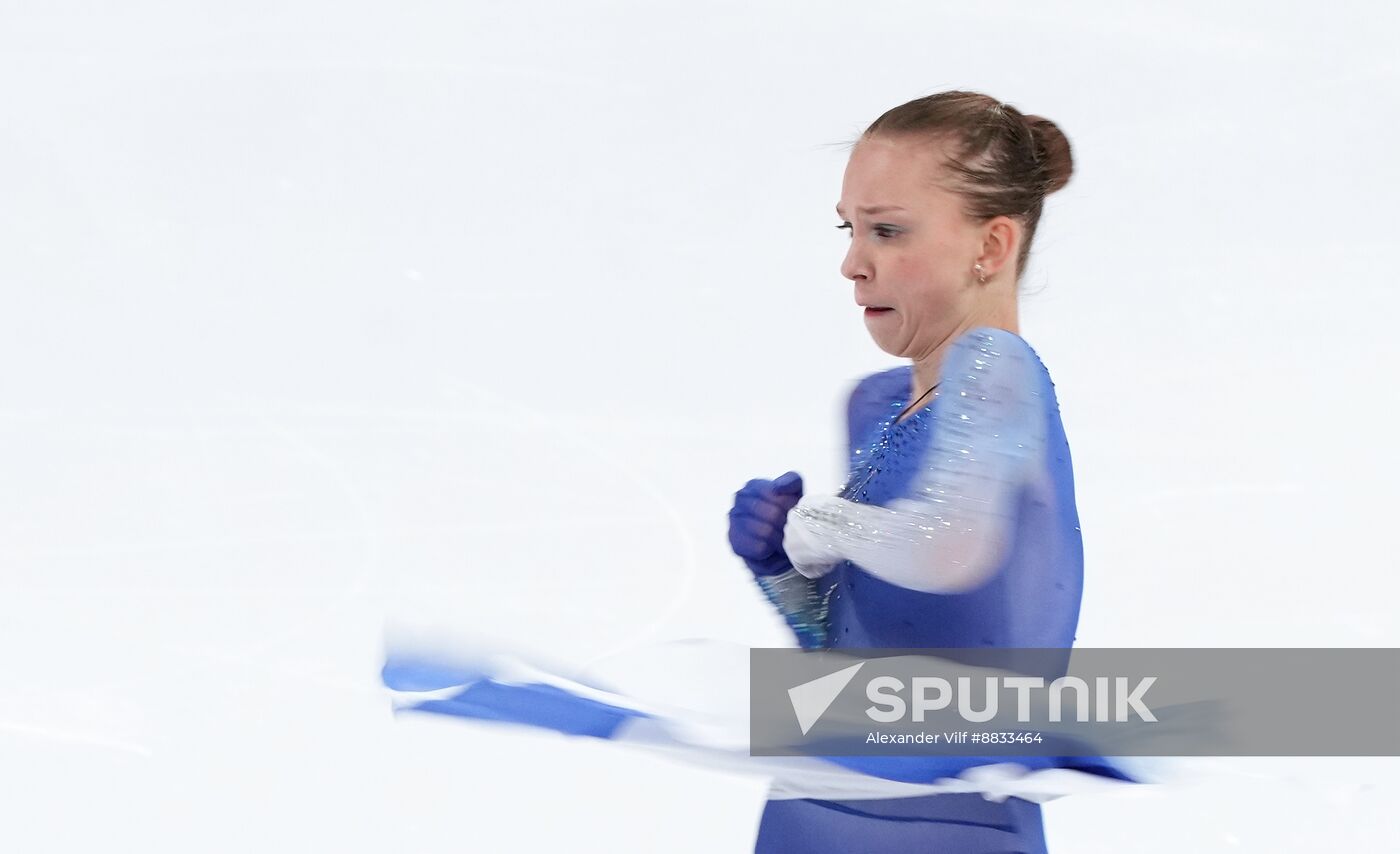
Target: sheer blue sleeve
point(800, 603)
point(948, 536)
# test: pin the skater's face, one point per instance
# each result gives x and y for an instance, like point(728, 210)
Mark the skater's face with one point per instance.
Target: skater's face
point(912, 263)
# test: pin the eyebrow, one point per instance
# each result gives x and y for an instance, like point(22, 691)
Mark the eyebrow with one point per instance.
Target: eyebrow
point(872, 209)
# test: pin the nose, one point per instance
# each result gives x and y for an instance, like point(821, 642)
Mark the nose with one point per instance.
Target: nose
point(854, 265)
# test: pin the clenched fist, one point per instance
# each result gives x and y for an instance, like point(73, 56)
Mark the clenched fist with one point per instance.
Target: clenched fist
point(756, 522)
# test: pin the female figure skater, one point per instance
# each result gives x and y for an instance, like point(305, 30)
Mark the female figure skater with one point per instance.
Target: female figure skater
point(958, 527)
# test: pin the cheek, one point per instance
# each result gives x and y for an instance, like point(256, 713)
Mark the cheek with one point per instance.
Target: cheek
point(930, 288)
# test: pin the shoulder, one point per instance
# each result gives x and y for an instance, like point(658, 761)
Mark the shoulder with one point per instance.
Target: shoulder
point(872, 395)
point(987, 355)
point(881, 387)
point(887, 383)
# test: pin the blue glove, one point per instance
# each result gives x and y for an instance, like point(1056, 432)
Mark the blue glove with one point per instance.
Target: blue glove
point(756, 522)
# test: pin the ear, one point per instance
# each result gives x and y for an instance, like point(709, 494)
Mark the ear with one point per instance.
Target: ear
point(1001, 238)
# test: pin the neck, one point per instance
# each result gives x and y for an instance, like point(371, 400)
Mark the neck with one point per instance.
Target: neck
point(928, 367)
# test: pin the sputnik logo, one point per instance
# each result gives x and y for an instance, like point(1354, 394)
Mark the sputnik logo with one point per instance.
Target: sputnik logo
point(810, 700)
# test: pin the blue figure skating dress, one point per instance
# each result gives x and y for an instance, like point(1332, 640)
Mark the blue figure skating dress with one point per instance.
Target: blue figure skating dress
point(957, 528)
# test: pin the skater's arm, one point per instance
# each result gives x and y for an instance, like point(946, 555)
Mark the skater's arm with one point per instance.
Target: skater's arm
point(953, 530)
point(795, 596)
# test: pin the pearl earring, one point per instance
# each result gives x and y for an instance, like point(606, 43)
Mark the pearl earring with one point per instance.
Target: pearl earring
point(980, 277)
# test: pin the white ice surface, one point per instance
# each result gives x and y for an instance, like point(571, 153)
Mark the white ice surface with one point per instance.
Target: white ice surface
point(303, 302)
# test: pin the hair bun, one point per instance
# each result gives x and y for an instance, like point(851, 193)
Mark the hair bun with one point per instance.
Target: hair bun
point(1052, 147)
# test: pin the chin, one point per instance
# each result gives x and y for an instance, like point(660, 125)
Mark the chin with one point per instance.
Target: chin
point(882, 340)
point(887, 347)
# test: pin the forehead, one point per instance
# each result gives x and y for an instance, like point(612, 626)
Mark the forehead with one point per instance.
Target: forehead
point(893, 173)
